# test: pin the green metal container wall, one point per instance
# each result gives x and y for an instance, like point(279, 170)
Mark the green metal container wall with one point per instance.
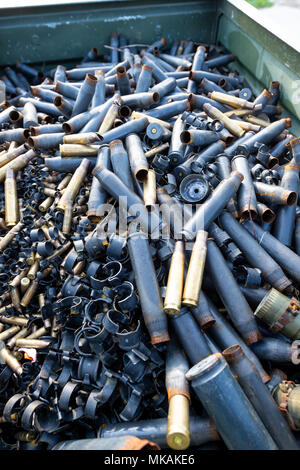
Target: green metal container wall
point(59, 33)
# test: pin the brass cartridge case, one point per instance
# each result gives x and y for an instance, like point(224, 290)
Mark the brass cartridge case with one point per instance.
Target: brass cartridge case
point(149, 187)
point(6, 334)
point(74, 185)
point(67, 221)
point(12, 214)
point(172, 301)
point(32, 343)
point(231, 100)
point(195, 271)
point(10, 360)
point(178, 432)
point(230, 125)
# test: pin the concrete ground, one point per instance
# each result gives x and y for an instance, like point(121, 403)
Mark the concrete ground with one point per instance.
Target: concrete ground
point(286, 14)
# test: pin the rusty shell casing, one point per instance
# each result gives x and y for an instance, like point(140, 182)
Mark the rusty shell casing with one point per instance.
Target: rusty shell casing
point(41, 106)
point(144, 80)
point(213, 206)
point(132, 126)
point(44, 93)
point(199, 138)
point(98, 195)
point(177, 147)
point(77, 122)
point(285, 257)
point(138, 162)
point(260, 397)
point(165, 86)
point(172, 302)
point(230, 100)
point(223, 59)
point(111, 115)
point(4, 115)
point(190, 336)
point(64, 106)
point(66, 89)
point(97, 116)
point(209, 86)
point(198, 76)
point(202, 430)
point(294, 145)
point(138, 115)
point(285, 220)
point(246, 197)
point(178, 433)
point(254, 252)
point(85, 94)
point(205, 156)
point(149, 189)
point(16, 117)
point(82, 138)
point(12, 214)
point(141, 100)
point(166, 111)
point(125, 442)
point(123, 82)
point(66, 165)
point(267, 135)
point(202, 313)
point(10, 155)
point(158, 132)
point(148, 288)
point(198, 61)
point(230, 125)
point(46, 141)
point(173, 212)
point(120, 162)
point(263, 97)
point(198, 101)
point(100, 90)
point(74, 185)
point(10, 360)
point(227, 287)
point(237, 422)
point(265, 214)
point(272, 194)
point(276, 350)
point(29, 115)
point(9, 236)
point(224, 170)
point(46, 129)
point(225, 335)
point(32, 343)
point(194, 276)
point(18, 135)
point(17, 163)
